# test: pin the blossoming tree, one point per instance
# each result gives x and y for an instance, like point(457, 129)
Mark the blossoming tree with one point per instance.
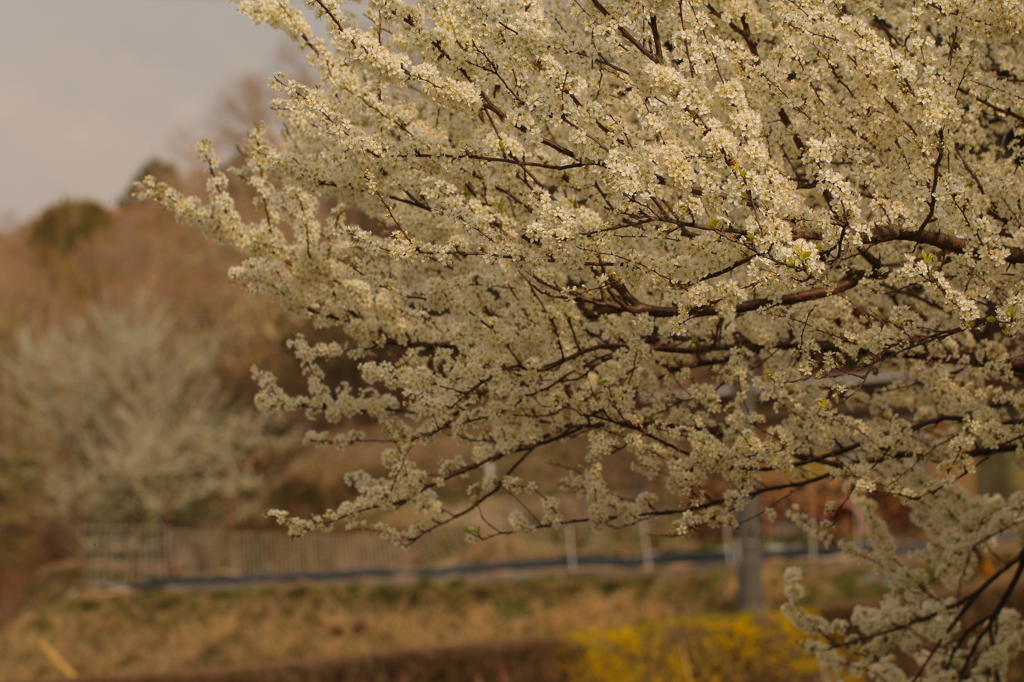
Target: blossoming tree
point(759, 242)
point(127, 421)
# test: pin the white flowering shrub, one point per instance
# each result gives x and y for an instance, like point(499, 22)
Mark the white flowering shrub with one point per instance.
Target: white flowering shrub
point(128, 421)
point(720, 240)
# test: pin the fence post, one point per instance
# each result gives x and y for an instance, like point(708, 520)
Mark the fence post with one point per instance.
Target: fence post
point(751, 597)
point(571, 560)
point(728, 546)
point(646, 552)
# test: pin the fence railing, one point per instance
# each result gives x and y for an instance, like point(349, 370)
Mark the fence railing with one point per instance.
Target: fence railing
point(136, 554)
point(119, 554)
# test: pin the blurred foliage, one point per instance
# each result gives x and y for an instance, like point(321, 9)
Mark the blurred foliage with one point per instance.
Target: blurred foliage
point(63, 226)
point(18, 486)
point(162, 170)
point(131, 422)
point(713, 648)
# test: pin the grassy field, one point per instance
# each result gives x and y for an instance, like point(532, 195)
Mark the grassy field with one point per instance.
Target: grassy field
point(154, 632)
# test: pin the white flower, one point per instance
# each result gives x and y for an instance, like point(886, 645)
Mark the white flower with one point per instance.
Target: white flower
point(580, 235)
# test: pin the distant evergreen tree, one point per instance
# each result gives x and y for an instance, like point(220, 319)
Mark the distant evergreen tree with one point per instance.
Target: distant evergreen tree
point(65, 225)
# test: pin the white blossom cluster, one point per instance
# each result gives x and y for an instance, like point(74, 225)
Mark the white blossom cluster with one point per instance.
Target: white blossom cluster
point(598, 214)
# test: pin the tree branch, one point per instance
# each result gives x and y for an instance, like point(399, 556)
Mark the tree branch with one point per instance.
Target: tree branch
point(628, 303)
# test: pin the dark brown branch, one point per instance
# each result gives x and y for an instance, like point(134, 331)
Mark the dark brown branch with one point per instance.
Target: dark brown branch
point(657, 39)
point(412, 201)
point(935, 183)
point(939, 240)
point(992, 619)
point(627, 303)
point(515, 162)
point(743, 32)
point(892, 233)
point(490, 106)
point(728, 268)
point(624, 32)
point(849, 281)
point(559, 148)
point(636, 43)
point(327, 11)
point(532, 164)
point(1007, 112)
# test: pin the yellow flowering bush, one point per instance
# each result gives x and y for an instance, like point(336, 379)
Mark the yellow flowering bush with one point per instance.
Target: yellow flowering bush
point(718, 648)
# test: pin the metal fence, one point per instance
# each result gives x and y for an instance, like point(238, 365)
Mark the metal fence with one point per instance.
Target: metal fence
point(129, 554)
point(136, 554)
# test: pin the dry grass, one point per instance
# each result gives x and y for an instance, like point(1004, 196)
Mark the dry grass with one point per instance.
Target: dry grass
point(162, 632)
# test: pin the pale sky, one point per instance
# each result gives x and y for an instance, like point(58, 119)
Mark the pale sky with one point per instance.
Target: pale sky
point(92, 89)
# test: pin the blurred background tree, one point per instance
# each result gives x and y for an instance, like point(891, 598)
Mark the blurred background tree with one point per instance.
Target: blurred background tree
point(130, 422)
point(62, 226)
